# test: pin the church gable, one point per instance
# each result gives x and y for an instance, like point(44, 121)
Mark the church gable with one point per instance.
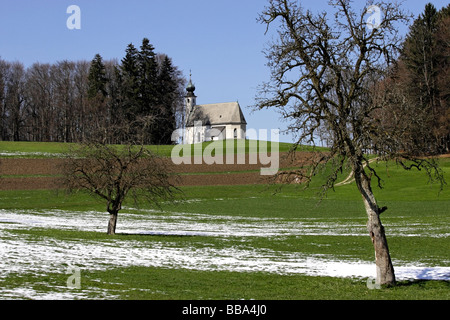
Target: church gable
point(216, 114)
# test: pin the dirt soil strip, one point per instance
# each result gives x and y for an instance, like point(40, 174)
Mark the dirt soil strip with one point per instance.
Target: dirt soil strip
point(31, 166)
point(46, 183)
point(233, 174)
point(50, 183)
point(12, 166)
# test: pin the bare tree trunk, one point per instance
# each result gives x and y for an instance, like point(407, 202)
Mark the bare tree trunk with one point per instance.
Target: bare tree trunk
point(384, 267)
point(112, 222)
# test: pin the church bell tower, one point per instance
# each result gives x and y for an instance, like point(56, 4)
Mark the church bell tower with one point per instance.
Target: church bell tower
point(190, 98)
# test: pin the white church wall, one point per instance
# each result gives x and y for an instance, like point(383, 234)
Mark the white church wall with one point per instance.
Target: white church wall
point(236, 131)
point(199, 133)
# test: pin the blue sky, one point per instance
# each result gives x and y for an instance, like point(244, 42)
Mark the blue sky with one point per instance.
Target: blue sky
point(219, 40)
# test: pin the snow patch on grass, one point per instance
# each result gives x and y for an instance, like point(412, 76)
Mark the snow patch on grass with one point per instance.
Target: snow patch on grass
point(43, 255)
point(30, 154)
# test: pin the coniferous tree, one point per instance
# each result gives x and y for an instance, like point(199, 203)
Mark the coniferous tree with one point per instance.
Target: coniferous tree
point(97, 96)
point(148, 73)
point(129, 83)
point(97, 78)
point(420, 56)
point(148, 97)
point(167, 92)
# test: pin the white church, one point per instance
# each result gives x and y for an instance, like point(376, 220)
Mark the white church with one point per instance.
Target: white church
point(210, 122)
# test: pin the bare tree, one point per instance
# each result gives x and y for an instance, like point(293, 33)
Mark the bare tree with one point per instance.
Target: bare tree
point(3, 114)
point(39, 96)
point(15, 108)
point(115, 172)
point(324, 71)
point(80, 124)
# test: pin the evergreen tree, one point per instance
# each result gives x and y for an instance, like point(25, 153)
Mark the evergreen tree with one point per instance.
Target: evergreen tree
point(149, 111)
point(167, 93)
point(129, 83)
point(95, 113)
point(97, 78)
point(149, 93)
point(148, 73)
point(420, 56)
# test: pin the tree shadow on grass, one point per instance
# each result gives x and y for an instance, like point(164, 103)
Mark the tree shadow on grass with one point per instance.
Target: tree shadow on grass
point(165, 234)
point(422, 283)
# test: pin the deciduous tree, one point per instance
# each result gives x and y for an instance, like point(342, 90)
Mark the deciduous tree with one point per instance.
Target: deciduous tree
point(3, 122)
point(324, 70)
point(114, 173)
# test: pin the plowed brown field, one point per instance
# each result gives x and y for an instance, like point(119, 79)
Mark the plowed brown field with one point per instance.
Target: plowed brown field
point(29, 174)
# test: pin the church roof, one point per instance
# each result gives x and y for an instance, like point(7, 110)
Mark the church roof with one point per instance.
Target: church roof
point(216, 114)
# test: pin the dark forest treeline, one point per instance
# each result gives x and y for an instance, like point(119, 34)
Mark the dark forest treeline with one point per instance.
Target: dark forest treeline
point(420, 83)
point(73, 101)
point(412, 103)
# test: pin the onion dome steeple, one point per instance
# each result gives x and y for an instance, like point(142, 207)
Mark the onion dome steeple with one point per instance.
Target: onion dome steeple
point(190, 98)
point(190, 87)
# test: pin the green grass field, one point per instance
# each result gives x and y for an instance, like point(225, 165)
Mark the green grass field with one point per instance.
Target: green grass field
point(239, 242)
point(51, 149)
